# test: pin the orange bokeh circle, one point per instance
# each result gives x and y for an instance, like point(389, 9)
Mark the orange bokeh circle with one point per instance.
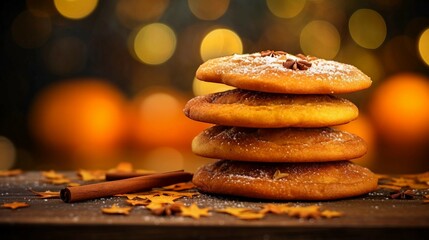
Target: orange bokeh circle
point(79, 117)
point(363, 127)
point(400, 109)
point(157, 120)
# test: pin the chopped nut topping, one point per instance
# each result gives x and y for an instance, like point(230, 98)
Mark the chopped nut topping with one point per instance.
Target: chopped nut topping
point(297, 64)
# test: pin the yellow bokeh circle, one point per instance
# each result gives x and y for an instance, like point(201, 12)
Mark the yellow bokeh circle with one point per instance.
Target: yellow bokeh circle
point(367, 28)
point(424, 46)
point(364, 59)
point(154, 43)
point(220, 42)
point(286, 8)
point(75, 9)
point(203, 88)
point(320, 39)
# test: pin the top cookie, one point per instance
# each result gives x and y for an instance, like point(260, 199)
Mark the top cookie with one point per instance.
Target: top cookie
point(280, 72)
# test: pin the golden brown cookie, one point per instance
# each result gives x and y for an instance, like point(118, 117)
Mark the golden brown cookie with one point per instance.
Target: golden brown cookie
point(279, 72)
point(243, 108)
point(298, 181)
point(278, 144)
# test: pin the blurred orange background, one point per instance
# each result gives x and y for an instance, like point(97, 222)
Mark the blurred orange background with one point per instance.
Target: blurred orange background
point(89, 84)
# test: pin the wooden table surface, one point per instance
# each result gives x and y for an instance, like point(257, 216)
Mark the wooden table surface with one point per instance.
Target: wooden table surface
point(372, 216)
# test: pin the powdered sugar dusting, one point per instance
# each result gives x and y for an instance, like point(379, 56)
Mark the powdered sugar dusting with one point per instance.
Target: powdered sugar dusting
point(256, 65)
point(268, 73)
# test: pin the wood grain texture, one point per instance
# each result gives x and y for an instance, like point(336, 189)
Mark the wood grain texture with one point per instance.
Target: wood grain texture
point(372, 216)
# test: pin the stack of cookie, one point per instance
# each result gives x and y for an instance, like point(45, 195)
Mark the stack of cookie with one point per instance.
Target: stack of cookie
point(273, 133)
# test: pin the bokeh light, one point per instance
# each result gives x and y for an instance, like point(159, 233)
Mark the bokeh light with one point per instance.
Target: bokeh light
point(132, 13)
point(286, 8)
point(368, 62)
point(363, 127)
point(208, 9)
point(82, 117)
point(30, 31)
point(7, 153)
point(399, 109)
point(65, 56)
point(364, 59)
point(203, 88)
point(424, 46)
point(220, 42)
point(367, 28)
point(157, 120)
point(75, 9)
point(320, 39)
point(154, 43)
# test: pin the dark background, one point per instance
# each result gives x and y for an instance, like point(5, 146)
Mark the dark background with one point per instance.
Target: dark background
point(25, 72)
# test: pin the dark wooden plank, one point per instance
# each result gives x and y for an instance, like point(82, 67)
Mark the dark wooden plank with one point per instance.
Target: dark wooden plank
point(204, 232)
point(374, 215)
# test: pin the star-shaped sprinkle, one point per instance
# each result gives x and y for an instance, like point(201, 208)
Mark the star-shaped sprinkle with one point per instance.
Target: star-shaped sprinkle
point(115, 209)
point(138, 202)
point(194, 211)
point(242, 213)
point(331, 214)
point(9, 173)
point(312, 211)
point(51, 174)
point(47, 194)
point(15, 205)
point(275, 208)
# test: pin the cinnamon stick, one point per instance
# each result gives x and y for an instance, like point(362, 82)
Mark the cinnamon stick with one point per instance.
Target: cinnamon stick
point(129, 185)
point(123, 175)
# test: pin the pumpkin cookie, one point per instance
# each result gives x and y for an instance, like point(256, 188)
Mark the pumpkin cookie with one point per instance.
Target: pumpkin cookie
point(280, 72)
point(245, 108)
point(278, 144)
point(285, 181)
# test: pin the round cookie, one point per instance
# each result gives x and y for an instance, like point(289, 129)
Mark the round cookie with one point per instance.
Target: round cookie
point(297, 181)
point(278, 144)
point(243, 108)
point(280, 72)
